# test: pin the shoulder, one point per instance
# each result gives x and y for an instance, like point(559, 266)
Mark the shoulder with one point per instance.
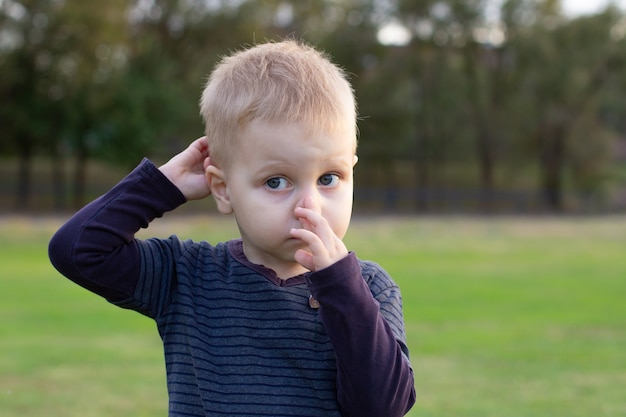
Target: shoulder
point(375, 275)
point(174, 249)
point(382, 286)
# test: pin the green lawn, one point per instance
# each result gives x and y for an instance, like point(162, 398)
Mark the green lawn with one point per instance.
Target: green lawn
point(506, 317)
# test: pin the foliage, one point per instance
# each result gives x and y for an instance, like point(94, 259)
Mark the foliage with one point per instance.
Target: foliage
point(484, 92)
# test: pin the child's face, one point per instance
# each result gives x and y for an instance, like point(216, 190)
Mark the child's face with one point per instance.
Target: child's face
point(276, 167)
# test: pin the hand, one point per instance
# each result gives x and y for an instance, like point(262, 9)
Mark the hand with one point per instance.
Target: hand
point(324, 247)
point(186, 170)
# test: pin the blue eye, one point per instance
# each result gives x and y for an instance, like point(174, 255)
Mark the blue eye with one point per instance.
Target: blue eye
point(277, 183)
point(328, 179)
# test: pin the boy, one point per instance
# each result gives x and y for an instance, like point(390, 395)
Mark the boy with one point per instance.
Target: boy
point(284, 321)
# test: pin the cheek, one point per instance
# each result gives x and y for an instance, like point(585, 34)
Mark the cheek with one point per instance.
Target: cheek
point(338, 216)
point(262, 214)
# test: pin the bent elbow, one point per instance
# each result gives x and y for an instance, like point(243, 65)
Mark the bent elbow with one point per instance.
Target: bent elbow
point(60, 253)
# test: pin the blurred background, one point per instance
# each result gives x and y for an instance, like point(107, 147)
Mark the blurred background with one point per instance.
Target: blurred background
point(466, 106)
point(479, 106)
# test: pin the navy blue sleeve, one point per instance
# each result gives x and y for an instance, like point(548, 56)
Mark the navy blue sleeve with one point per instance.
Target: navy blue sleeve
point(96, 248)
point(374, 376)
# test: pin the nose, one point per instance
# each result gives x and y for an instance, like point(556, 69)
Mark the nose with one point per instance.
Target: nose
point(310, 200)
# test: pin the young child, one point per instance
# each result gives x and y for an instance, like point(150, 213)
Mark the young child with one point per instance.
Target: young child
point(284, 321)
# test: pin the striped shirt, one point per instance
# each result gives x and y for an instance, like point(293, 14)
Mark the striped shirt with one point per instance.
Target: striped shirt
point(238, 341)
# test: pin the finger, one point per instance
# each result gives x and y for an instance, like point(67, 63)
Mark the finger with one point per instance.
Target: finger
point(200, 143)
point(311, 204)
point(305, 259)
point(200, 146)
point(308, 237)
point(313, 221)
point(316, 255)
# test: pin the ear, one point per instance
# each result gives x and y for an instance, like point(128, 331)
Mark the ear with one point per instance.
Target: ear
point(216, 178)
point(355, 159)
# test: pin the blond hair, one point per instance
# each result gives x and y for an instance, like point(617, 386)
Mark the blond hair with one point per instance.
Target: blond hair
point(276, 82)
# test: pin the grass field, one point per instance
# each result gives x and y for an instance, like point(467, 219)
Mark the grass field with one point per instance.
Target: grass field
point(506, 317)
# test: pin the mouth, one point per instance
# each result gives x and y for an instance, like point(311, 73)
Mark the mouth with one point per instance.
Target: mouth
point(299, 244)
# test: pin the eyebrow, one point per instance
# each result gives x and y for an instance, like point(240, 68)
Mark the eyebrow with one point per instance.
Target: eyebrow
point(285, 164)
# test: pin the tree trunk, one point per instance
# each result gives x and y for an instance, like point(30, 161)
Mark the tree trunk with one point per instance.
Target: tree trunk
point(58, 180)
point(552, 164)
point(482, 128)
point(423, 136)
point(24, 173)
point(80, 175)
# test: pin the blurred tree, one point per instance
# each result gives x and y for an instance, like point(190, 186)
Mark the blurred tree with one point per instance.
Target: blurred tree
point(95, 43)
point(26, 59)
point(49, 61)
point(456, 76)
point(564, 66)
point(473, 99)
point(526, 67)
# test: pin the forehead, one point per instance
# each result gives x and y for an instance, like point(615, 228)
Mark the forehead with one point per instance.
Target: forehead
point(281, 138)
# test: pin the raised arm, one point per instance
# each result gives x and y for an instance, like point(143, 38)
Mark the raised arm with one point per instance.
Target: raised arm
point(96, 247)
